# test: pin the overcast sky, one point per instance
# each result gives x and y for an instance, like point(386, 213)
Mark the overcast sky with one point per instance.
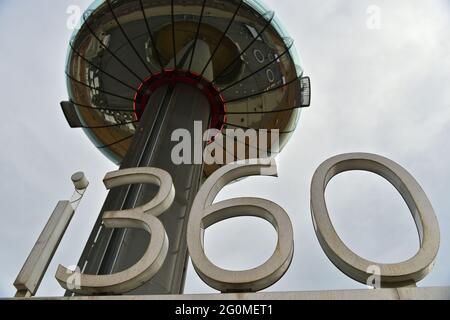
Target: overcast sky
point(382, 91)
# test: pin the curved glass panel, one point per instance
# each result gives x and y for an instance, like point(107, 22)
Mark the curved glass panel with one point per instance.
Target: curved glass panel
point(279, 27)
point(237, 47)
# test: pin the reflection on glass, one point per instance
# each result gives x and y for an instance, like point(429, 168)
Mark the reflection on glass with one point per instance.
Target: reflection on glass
point(238, 46)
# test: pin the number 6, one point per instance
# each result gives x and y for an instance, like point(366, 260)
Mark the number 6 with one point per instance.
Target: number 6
point(204, 214)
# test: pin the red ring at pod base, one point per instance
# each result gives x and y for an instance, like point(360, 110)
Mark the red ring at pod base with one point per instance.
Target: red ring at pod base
point(172, 77)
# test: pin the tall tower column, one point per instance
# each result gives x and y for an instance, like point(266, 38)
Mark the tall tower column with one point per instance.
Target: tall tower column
point(139, 70)
point(109, 251)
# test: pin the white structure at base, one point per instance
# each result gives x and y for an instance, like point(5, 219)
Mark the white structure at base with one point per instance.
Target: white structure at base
point(407, 293)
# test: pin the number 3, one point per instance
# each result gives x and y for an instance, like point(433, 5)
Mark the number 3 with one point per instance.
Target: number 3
point(143, 217)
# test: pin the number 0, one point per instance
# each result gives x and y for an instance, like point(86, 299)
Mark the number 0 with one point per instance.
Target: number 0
point(356, 267)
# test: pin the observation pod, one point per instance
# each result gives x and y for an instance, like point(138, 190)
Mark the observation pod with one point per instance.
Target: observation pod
point(235, 52)
point(138, 70)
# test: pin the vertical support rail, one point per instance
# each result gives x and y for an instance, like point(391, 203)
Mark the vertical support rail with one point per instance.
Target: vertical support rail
point(29, 279)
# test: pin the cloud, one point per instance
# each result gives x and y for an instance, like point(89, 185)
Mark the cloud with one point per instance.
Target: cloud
point(382, 91)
